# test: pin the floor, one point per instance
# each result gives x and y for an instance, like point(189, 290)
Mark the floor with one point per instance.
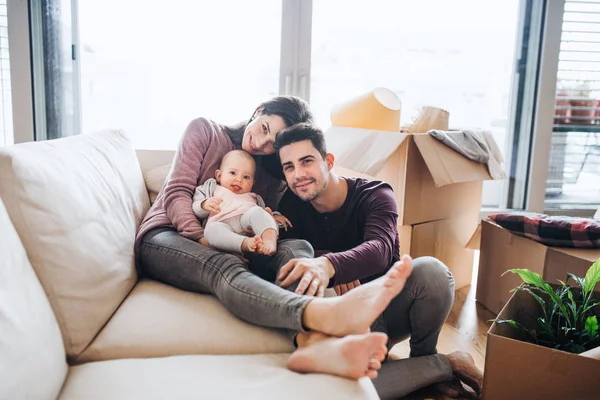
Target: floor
point(465, 329)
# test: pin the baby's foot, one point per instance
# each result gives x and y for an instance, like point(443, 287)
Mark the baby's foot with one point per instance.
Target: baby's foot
point(251, 244)
point(268, 248)
point(269, 242)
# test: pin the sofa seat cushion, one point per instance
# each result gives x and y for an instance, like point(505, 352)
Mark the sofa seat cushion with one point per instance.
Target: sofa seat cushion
point(76, 203)
point(32, 357)
point(158, 320)
point(207, 377)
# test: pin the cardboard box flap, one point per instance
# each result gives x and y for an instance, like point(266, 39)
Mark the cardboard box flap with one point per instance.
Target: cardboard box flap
point(474, 242)
point(446, 165)
point(590, 255)
point(362, 150)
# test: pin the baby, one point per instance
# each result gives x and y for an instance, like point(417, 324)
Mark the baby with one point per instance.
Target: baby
point(232, 209)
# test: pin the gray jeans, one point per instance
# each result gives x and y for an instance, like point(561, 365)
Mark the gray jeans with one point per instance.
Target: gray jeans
point(166, 256)
point(418, 312)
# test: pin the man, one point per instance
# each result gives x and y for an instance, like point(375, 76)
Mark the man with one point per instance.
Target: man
point(352, 225)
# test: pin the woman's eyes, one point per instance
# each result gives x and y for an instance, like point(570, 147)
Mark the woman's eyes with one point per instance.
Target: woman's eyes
point(264, 129)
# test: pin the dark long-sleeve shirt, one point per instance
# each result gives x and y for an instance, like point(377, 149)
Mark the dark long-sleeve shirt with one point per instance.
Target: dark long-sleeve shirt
point(362, 235)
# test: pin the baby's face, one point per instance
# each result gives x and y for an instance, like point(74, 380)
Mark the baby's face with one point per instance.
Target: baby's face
point(237, 174)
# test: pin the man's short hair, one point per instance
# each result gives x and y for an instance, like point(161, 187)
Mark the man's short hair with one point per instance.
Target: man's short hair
point(299, 133)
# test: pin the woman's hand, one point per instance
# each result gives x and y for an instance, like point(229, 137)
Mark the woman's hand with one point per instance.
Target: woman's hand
point(280, 219)
point(212, 205)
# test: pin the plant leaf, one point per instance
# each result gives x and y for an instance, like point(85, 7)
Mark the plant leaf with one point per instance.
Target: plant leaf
point(529, 277)
point(562, 282)
point(546, 326)
point(577, 279)
point(535, 296)
point(591, 326)
point(592, 277)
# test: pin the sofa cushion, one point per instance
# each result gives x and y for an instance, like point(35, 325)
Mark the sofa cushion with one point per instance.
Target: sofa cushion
point(76, 204)
point(158, 320)
point(207, 377)
point(32, 356)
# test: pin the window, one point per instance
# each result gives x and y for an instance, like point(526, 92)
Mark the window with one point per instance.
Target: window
point(6, 124)
point(463, 64)
point(574, 168)
point(149, 67)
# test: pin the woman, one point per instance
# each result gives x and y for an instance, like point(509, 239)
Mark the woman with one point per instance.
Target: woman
point(169, 249)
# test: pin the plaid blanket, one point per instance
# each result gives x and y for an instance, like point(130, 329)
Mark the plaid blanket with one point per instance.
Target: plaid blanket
point(552, 230)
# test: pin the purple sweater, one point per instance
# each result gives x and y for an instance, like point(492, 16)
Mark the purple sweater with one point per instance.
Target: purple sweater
point(200, 150)
point(361, 238)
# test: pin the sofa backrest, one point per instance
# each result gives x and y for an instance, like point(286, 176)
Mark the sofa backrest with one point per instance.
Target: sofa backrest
point(155, 166)
point(76, 204)
point(32, 361)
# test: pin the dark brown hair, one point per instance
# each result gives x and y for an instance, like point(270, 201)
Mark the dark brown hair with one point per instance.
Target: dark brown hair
point(293, 110)
point(299, 133)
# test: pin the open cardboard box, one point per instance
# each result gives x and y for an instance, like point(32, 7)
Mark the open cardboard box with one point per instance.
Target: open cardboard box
point(502, 250)
point(431, 181)
point(445, 240)
point(515, 369)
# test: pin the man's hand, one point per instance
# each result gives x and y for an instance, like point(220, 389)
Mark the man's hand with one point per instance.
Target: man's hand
point(314, 275)
point(212, 205)
point(280, 219)
point(345, 287)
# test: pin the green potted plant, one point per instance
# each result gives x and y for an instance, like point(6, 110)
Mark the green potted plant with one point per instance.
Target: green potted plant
point(535, 346)
point(567, 321)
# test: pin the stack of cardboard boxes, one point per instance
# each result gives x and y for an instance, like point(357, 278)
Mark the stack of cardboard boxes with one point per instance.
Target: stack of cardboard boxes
point(502, 250)
point(438, 190)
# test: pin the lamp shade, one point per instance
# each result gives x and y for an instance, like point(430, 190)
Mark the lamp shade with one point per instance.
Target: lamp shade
point(378, 109)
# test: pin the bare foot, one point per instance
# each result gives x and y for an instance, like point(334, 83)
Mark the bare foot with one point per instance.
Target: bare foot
point(305, 339)
point(352, 357)
point(355, 311)
point(451, 389)
point(464, 368)
point(250, 244)
point(269, 242)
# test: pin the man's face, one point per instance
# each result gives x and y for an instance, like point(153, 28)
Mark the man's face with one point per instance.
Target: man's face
point(305, 170)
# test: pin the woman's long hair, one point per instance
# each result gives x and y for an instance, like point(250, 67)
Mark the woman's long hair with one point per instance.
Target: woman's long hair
point(291, 109)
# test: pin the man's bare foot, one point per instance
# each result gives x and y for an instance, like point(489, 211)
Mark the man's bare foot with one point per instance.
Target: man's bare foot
point(464, 368)
point(269, 242)
point(355, 311)
point(250, 244)
point(305, 339)
point(352, 357)
point(451, 389)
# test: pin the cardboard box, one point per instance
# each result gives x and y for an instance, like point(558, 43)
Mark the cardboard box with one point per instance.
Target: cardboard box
point(502, 250)
point(515, 369)
point(431, 181)
point(445, 240)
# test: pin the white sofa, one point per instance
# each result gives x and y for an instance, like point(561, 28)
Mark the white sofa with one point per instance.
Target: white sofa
point(75, 321)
